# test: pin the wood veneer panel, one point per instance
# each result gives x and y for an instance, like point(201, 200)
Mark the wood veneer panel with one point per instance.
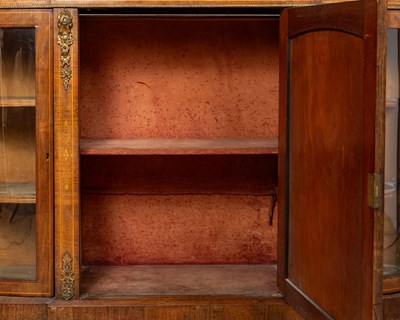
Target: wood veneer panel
point(23, 311)
point(278, 312)
point(66, 159)
point(256, 312)
point(178, 78)
point(177, 308)
point(165, 3)
point(317, 180)
point(325, 105)
point(178, 313)
point(23, 308)
point(24, 3)
point(393, 19)
point(186, 3)
point(177, 229)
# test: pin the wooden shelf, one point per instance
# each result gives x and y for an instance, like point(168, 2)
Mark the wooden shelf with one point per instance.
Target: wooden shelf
point(179, 280)
point(177, 146)
point(392, 102)
point(22, 192)
point(17, 102)
point(17, 272)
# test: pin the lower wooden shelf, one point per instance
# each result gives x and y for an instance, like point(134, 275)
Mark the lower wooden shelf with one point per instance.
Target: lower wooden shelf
point(240, 292)
point(179, 280)
point(17, 102)
point(17, 192)
point(391, 284)
point(17, 272)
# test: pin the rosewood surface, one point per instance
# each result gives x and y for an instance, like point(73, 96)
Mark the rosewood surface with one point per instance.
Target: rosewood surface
point(329, 141)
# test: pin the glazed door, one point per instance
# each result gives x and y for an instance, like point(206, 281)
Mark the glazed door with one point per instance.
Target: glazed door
point(330, 154)
point(26, 223)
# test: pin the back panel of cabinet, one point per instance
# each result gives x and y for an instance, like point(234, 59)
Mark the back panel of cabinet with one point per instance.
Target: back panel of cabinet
point(192, 81)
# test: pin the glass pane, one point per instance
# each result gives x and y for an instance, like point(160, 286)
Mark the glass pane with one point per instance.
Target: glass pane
point(17, 155)
point(17, 241)
point(391, 221)
point(18, 65)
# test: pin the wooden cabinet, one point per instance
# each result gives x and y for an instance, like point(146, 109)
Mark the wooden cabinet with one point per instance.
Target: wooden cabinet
point(177, 165)
point(166, 122)
point(187, 155)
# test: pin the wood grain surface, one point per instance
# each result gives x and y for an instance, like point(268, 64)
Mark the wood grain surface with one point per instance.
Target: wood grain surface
point(330, 144)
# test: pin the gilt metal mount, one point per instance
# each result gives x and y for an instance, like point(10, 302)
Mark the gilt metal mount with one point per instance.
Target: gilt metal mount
point(65, 40)
point(67, 277)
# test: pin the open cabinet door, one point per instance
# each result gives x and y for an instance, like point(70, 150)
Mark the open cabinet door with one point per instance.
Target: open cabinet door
point(331, 147)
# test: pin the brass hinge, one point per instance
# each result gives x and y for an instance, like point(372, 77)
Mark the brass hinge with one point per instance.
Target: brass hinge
point(375, 190)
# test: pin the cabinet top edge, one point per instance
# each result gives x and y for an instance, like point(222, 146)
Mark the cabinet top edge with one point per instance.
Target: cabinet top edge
point(29, 4)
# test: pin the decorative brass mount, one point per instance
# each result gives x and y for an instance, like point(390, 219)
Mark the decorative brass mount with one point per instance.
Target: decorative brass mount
point(65, 40)
point(67, 277)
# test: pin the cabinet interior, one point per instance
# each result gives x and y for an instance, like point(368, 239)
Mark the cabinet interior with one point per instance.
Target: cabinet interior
point(178, 141)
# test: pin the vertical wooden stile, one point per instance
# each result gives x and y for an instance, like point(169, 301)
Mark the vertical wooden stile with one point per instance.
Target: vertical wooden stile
point(66, 158)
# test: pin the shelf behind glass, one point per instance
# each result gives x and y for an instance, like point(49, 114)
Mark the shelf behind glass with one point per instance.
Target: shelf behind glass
point(392, 102)
point(17, 272)
point(17, 241)
point(17, 192)
point(18, 102)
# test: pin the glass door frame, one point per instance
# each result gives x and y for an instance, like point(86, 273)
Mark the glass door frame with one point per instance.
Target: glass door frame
point(41, 21)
